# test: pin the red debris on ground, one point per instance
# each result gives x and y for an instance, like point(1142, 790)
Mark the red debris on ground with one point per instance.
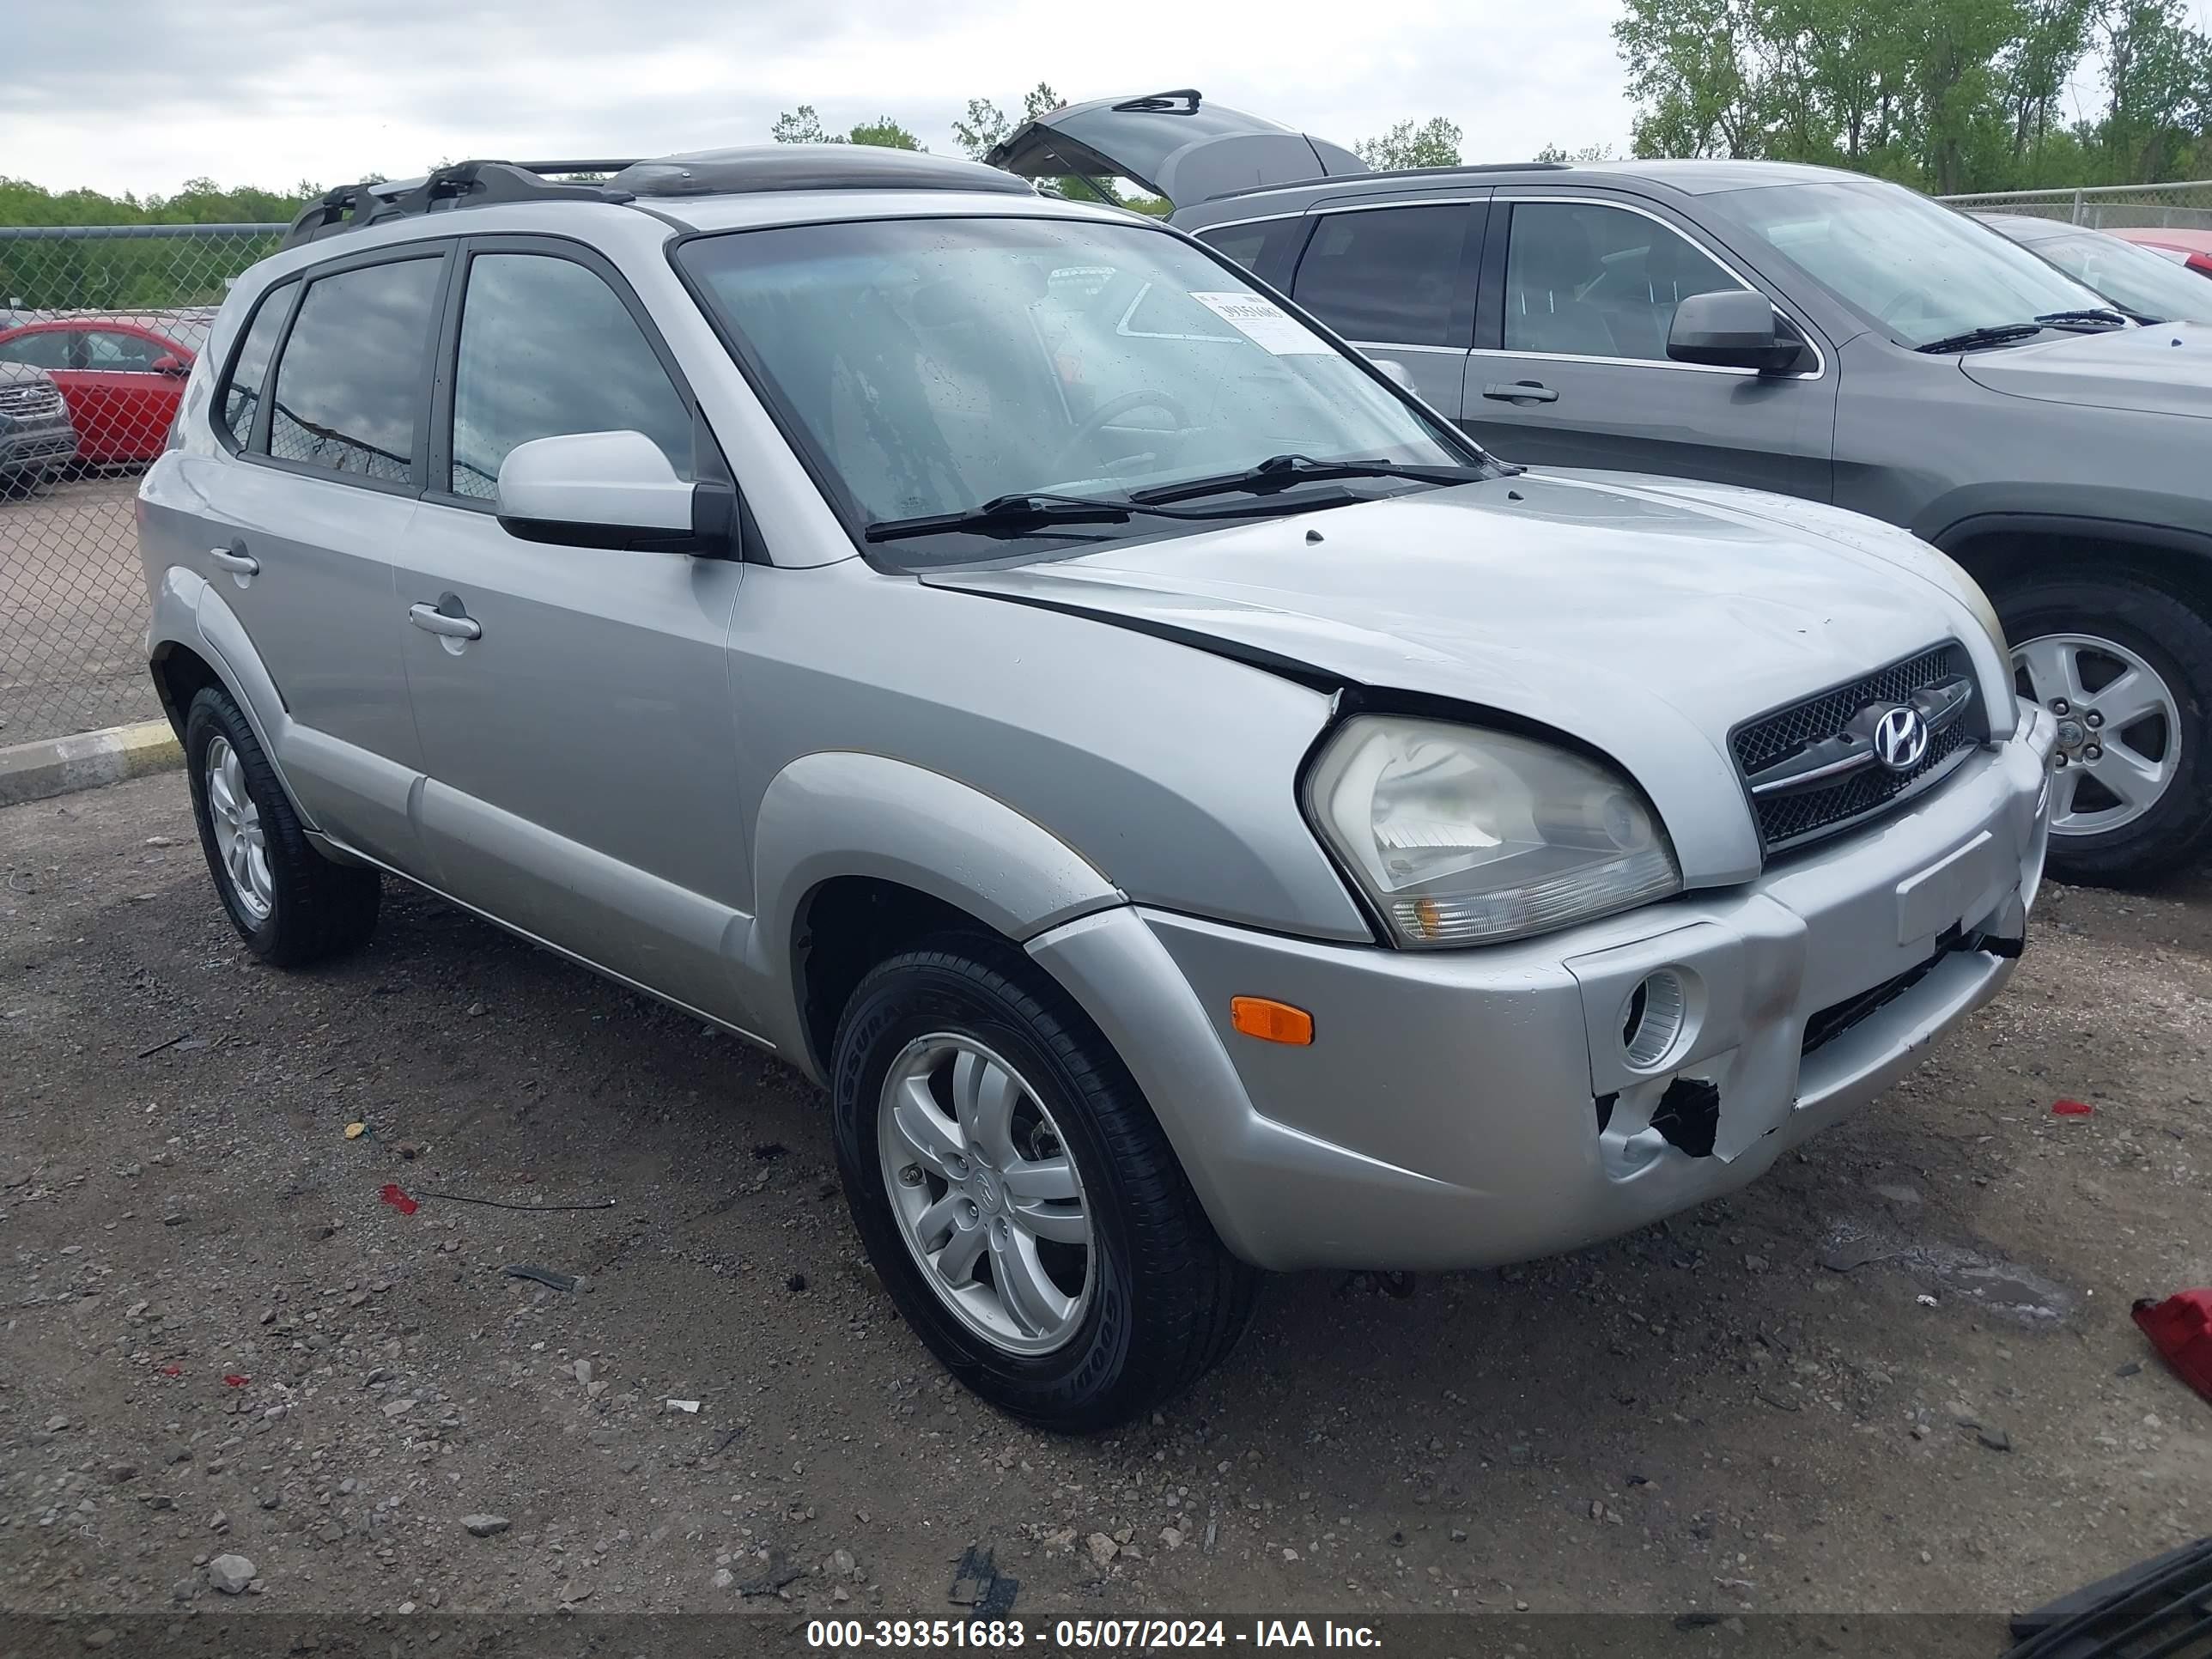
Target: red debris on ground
point(2071, 1108)
point(173, 1371)
point(235, 1380)
point(2180, 1329)
point(398, 1200)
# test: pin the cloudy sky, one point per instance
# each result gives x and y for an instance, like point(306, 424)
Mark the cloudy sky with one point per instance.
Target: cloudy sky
point(142, 95)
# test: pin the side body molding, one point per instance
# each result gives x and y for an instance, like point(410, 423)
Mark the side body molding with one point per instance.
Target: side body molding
point(848, 813)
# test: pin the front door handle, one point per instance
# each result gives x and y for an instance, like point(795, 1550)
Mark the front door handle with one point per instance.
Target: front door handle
point(239, 564)
point(431, 620)
point(1520, 392)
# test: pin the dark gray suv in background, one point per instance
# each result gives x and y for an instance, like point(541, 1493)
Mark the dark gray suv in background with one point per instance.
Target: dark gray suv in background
point(1796, 328)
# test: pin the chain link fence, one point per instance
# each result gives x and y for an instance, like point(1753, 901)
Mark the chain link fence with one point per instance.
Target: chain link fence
point(98, 327)
point(2182, 206)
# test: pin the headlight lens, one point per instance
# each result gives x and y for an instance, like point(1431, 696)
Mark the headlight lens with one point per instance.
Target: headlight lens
point(1971, 595)
point(1463, 837)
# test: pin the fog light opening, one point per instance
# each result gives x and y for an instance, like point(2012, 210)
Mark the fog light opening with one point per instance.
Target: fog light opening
point(1652, 1023)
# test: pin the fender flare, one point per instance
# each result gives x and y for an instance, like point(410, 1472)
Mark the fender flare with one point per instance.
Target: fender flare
point(847, 813)
point(188, 612)
point(2164, 538)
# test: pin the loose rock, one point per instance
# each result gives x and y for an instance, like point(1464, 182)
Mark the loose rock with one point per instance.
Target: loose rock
point(231, 1574)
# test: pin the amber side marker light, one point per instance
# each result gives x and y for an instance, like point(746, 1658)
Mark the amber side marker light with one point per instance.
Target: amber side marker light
point(1270, 1021)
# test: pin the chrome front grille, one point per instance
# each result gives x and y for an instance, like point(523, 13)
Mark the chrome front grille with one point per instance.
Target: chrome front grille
point(1812, 768)
point(33, 402)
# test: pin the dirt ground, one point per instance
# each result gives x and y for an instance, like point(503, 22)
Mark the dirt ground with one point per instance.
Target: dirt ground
point(72, 609)
point(216, 1341)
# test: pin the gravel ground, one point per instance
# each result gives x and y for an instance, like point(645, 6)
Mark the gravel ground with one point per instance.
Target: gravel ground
point(72, 609)
point(224, 1361)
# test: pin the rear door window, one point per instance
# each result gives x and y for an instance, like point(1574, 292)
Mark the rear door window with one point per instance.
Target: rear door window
point(1387, 276)
point(1261, 248)
point(350, 386)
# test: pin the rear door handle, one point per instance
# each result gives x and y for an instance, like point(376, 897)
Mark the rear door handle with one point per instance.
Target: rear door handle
point(1520, 392)
point(237, 563)
point(431, 620)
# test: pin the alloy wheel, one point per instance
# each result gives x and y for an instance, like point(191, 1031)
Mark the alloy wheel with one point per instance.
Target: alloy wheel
point(986, 1193)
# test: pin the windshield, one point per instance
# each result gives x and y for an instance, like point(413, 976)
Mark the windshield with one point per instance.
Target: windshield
point(1918, 271)
point(932, 365)
point(2127, 275)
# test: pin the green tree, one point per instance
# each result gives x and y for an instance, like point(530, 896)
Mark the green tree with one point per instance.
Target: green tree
point(803, 126)
point(799, 126)
point(1587, 152)
point(1431, 143)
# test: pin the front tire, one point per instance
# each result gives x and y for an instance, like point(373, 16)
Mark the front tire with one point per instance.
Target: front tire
point(290, 904)
point(2126, 667)
point(1016, 1195)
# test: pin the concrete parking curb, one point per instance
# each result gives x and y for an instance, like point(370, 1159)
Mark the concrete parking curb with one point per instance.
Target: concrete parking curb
point(60, 766)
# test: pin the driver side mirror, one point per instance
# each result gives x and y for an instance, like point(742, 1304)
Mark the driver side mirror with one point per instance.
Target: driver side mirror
point(612, 490)
point(170, 363)
point(1733, 329)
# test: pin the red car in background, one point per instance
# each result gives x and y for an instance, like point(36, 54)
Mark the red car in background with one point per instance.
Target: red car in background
point(2192, 248)
point(121, 379)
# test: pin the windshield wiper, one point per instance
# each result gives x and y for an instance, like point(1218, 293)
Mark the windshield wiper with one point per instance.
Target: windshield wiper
point(1006, 515)
point(1973, 339)
point(1281, 471)
point(2089, 317)
point(1025, 513)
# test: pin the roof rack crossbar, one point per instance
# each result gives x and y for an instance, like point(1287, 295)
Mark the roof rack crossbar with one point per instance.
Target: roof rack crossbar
point(553, 168)
point(464, 183)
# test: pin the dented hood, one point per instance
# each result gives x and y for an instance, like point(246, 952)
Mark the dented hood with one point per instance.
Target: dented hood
point(1642, 618)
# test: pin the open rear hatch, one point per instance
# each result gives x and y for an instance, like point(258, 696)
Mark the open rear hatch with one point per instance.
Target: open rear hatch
point(1173, 144)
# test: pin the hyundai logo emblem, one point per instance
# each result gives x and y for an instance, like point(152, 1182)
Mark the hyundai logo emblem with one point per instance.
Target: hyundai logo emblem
point(1900, 739)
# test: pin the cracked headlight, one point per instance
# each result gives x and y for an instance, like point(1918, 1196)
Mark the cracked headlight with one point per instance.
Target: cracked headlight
point(1465, 836)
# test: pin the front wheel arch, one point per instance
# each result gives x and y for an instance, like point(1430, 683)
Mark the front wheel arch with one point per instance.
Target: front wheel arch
point(2116, 604)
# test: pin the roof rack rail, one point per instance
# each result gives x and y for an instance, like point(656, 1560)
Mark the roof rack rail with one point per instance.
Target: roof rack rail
point(464, 183)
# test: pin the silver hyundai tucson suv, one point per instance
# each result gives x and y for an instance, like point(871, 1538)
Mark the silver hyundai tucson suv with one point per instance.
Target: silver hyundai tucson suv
point(1193, 810)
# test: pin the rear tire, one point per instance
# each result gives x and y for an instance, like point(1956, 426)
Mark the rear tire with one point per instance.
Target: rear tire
point(289, 902)
point(1151, 1301)
point(2114, 637)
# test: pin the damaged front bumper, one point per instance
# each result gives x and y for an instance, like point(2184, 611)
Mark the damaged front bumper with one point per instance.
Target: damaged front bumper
point(1471, 1108)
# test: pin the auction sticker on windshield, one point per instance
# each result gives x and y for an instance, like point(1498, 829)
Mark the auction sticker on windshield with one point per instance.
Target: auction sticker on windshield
point(1264, 322)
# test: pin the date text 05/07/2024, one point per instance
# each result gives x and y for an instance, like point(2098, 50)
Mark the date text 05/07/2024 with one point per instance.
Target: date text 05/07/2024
point(1086, 1635)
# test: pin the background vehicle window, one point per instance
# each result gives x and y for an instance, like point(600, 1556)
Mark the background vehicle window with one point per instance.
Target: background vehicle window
point(1389, 275)
point(349, 385)
point(241, 396)
point(547, 348)
point(2136, 277)
point(111, 353)
point(47, 349)
point(1598, 281)
point(1250, 244)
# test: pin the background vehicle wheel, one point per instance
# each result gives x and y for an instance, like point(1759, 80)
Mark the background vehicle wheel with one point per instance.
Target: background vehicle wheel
point(289, 902)
point(2127, 669)
point(1017, 1196)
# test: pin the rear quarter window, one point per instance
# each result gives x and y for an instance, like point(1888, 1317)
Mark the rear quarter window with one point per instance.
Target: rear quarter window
point(249, 371)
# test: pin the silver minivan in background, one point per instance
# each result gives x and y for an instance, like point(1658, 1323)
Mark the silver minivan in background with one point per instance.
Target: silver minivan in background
point(1192, 809)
